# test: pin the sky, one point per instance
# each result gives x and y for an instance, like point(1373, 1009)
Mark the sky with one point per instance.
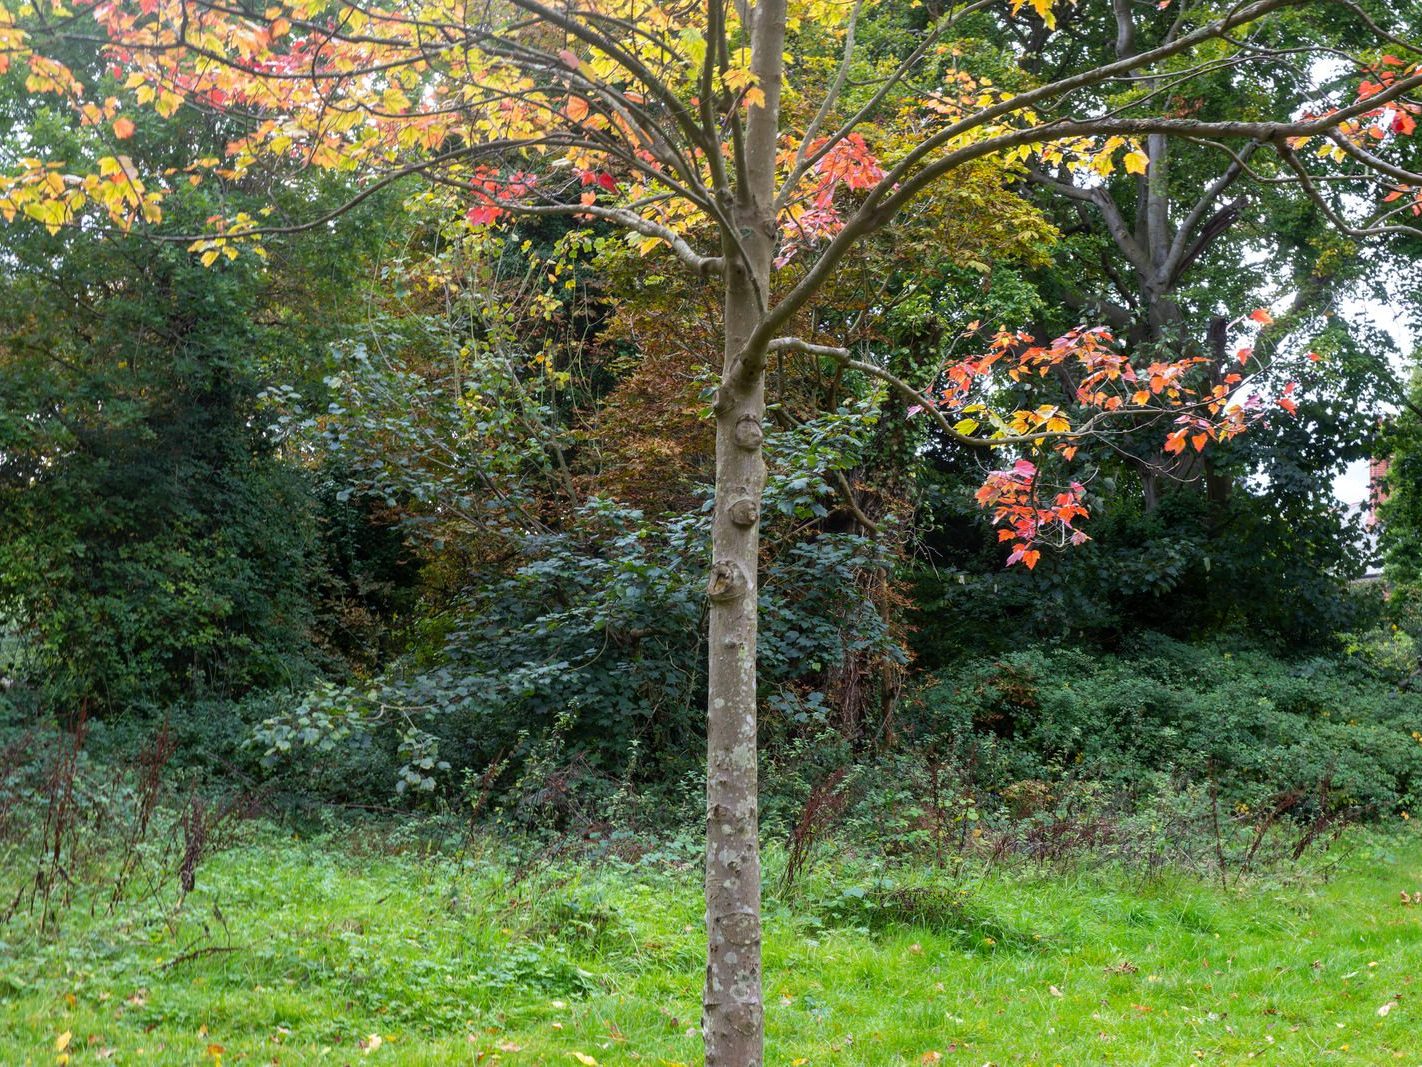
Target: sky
point(1351, 486)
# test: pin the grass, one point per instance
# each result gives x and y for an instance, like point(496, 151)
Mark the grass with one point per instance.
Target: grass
point(303, 951)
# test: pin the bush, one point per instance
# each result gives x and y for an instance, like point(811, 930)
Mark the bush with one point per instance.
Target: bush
point(1258, 728)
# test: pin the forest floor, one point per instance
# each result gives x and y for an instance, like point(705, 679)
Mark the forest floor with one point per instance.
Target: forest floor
point(337, 950)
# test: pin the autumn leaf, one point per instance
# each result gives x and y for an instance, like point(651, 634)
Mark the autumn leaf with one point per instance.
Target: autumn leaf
point(584, 1059)
point(1262, 316)
point(1043, 8)
point(1136, 162)
point(123, 128)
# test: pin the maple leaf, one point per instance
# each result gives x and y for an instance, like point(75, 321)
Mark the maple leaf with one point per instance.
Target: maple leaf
point(123, 128)
point(850, 162)
point(484, 214)
point(1262, 316)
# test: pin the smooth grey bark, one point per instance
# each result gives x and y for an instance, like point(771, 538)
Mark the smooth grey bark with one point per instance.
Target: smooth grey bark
point(732, 1012)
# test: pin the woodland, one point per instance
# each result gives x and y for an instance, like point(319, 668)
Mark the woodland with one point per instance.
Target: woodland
point(771, 531)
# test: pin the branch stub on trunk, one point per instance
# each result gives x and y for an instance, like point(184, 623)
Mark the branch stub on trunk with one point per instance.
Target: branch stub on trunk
point(744, 512)
point(727, 581)
point(749, 433)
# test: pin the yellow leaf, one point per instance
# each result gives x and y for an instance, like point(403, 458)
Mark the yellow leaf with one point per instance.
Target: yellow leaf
point(738, 78)
point(209, 257)
point(62, 1041)
point(1136, 162)
point(755, 96)
point(584, 1058)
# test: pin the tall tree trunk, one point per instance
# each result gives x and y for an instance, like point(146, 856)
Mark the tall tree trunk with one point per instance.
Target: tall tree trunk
point(733, 1015)
point(732, 1021)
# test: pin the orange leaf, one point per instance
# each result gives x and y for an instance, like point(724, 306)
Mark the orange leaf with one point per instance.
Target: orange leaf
point(1261, 316)
point(123, 128)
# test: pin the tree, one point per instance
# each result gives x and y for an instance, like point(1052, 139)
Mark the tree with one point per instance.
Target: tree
point(690, 129)
point(153, 546)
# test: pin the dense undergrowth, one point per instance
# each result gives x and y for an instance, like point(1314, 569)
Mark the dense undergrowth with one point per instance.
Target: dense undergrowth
point(1161, 730)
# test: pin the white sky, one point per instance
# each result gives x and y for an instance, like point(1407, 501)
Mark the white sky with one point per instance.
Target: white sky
point(1351, 486)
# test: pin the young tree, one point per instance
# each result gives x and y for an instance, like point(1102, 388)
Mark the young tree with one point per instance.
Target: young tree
point(721, 133)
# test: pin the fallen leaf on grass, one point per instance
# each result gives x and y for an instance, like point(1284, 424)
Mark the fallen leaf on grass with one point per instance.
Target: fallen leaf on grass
point(1387, 1008)
point(584, 1059)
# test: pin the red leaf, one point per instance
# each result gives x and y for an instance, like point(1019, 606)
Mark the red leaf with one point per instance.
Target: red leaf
point(484, 214)
point(1261, 316)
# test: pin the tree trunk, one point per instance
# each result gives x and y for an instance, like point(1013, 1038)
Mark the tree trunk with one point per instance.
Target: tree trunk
point(733, 1014)
point(732, 1020)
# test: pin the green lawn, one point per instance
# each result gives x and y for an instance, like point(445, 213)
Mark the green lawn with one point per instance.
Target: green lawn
point(453, 961)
